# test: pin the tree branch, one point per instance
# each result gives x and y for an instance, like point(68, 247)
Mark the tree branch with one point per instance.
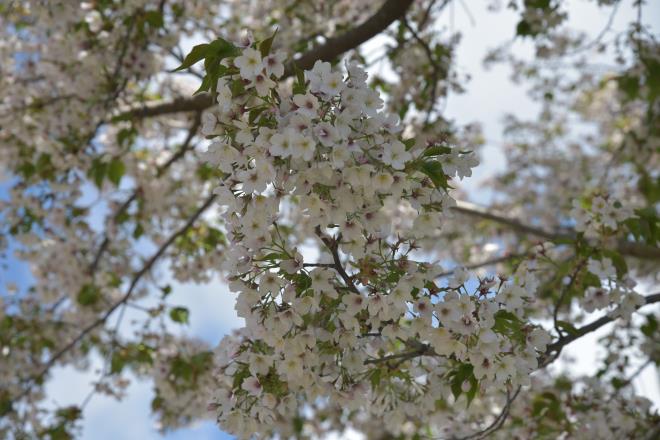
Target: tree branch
point(624, 247)
point(103, 318)
point(562, 296)
point(557, 346)
point(491, 262)
point(159, 172)
point(401, 356)
point(388, 13)
point(499, 420)
point(333, 246)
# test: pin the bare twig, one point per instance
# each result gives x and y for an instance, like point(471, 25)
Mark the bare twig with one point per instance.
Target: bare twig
point(601, 34)
point(491, 262)
point(562, 296)
point(437, 69)
point(421, 351)
point(104, 317)
point(185, 146)
point(499, 420)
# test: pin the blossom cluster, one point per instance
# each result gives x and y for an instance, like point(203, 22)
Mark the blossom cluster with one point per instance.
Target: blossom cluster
point(612, 291)
point(362, 322)
point(582, 408)
point(599, 215)
point(334, 210)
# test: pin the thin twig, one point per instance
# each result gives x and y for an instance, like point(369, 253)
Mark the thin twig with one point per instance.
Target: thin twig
point(333, 246)
point(491, 262)
point(185, 146)
point(421, 351)
point(437, 69)
point(562, 296)
point(601, 34)
point(554, 350)
point(499, 420)
point(103, 318)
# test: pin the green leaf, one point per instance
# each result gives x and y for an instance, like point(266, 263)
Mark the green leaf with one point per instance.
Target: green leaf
point(462, 374)
point(375, 377)
point(618, 383)
point(237, 87)
point(44, 166)
point(652, 77)
point(298, 425)
point(154, 18)
point(254, 114)
point(157, 403)
point(265, 45)
point(197, 54)
point(509, 325)
point(409, 143)
point(167, 289)
point(650, 327)
point(221, 48)
point(646, 226)
point(27, 170)
point(116, 170)
point(201, 361)
point(629, 84)
point(568, 327)
point(138, 231)
point(618, 261)
point(273, 256)
point(299, 85)
point(89, 294)
point(117, 363)
point(97, 172)
point(207, 82)
point(648, 186)
point(590, 280)
point(302, 282)
point(180, 315)
point(548, 406)
point(5, 403)
point(437, 150)
point(126, 136)
point(433, 169)
point(524, 29)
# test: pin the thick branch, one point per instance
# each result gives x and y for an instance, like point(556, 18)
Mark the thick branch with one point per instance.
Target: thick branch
point(624, 247)
point(136, 279)
point(386, 15)
point(333, 47)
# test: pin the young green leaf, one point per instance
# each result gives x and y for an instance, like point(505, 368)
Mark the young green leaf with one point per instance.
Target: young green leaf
point(433, 169)
point(180, 315)
point(265, 45)
point(88, 295)
point(116, 170)
point(198, 53)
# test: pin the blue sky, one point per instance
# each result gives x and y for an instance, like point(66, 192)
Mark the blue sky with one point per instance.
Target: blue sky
point(489, 96)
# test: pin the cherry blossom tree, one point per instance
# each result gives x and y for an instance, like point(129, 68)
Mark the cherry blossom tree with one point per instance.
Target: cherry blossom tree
point(323, 184)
